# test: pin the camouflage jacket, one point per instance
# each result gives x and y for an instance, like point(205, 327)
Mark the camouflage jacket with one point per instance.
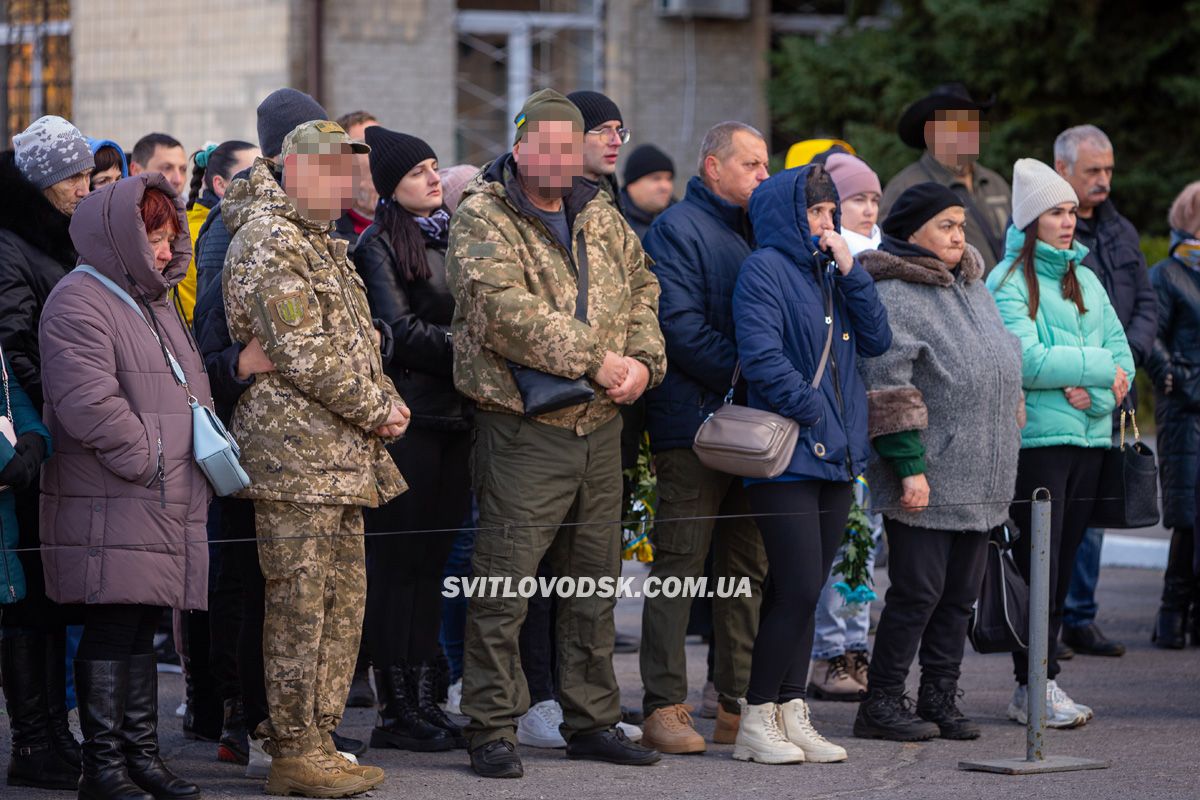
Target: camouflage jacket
point(515, 288)
point(306, 429)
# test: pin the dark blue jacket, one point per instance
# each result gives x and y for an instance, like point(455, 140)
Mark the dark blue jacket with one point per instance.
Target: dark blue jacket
point(779, 307)
point(697, 246)
point(1116, 258)
point(219, 351)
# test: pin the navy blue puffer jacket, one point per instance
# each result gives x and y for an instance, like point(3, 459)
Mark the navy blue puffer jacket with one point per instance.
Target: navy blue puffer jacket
point(697, 245)
point(779, 308)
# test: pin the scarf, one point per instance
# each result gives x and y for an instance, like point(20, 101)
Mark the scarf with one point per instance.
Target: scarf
point(903, 249)
point(859, 243)
point(1185, 248)
point(435, 228)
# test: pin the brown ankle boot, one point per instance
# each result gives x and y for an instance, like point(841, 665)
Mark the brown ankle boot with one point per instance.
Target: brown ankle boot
point(727, 726)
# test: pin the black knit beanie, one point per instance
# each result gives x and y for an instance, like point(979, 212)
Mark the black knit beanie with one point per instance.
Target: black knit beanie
point(647, 158)
point(596, 108)
point(916, 206)
point(280, 113)
point(819, 187)
point(393, 154)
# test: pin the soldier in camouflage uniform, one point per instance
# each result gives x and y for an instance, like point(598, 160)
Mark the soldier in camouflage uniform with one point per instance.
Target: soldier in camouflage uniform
point(527, 229)
point(312, 433)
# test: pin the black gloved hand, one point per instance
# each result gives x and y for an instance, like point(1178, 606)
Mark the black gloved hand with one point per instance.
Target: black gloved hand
point(22, 470)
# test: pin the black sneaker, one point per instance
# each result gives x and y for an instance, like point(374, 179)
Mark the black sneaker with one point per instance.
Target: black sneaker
point(612, 746)
point(937, 702)
point(1091, 641)
point(497, 759)
point(889, 715)
point(1062, 652)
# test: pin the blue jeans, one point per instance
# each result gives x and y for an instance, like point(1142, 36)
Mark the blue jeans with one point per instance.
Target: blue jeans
point(454, 609)
point(1080, 606)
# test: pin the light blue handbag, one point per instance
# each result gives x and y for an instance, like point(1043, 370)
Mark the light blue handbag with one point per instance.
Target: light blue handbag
point(213, 448)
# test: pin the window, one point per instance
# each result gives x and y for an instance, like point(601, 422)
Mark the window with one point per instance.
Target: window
point(35, 53)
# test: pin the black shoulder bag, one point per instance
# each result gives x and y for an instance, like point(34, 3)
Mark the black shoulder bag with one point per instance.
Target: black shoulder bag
point(1000, 620)
point(542, 392)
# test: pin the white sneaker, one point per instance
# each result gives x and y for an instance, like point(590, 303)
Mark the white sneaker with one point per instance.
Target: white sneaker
point(454, 698)
point(259, 763)
point(538, 727)
point(181, 709)
point(799, 730)
point(632, 732)
point(761, 738)
point(1059, 714)
point(1052, 686)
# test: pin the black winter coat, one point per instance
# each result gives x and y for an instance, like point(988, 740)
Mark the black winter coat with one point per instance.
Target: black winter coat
point(418, 315)
point(1117, 260)
point(35, 253)
point(1177, 352)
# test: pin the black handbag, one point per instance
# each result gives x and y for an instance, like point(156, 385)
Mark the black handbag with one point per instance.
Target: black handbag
point(542, 392)
point(1127, 495)
point(1000, 620)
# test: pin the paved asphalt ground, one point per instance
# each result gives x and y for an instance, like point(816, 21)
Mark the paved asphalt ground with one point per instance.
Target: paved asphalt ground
point(1147, 724)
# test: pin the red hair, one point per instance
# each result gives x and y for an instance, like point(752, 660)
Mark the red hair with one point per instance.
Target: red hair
point(158, 211)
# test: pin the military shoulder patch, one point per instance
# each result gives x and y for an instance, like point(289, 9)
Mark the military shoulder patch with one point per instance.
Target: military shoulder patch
point(290, 308)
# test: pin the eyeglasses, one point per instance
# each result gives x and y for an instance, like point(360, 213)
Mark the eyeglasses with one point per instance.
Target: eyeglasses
point(622, 134)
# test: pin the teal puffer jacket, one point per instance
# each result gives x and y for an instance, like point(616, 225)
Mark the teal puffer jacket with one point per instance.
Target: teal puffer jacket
point(16, 407)
point(1062, 347)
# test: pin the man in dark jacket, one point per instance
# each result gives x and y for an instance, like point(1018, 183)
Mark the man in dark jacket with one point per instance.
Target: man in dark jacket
point(698, 245)
point(1083, 155)
point(649, 187)
point(41, 182)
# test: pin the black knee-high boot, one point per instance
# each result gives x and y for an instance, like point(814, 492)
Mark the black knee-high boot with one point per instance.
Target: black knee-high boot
point(1171, 624)
point(35, 760)
point(139, 733)
point(101, 687)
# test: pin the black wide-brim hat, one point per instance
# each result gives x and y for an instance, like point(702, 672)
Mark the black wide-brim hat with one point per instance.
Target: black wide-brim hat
point(946, 97)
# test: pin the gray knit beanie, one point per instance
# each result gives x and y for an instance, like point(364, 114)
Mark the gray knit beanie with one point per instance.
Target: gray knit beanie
point(281, 112)
point(1037, 188)
point(51, 150)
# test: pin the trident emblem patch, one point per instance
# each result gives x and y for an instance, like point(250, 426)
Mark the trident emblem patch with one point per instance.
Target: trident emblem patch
point(290, 309)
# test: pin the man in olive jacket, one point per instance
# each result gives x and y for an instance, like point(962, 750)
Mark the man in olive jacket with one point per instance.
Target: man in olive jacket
point(530, 241)
point(312, 433)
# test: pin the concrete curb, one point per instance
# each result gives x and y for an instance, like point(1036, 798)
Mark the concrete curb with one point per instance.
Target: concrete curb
point(1133, 551)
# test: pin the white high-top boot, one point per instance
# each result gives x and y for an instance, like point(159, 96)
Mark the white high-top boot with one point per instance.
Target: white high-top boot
point(761, 738)
point(799, 730)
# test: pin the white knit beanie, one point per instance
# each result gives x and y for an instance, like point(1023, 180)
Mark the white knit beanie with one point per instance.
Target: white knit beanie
point(1037, 188)
point(51, 150)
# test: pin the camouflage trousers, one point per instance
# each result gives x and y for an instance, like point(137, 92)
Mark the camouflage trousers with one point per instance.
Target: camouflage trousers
point(313, 564)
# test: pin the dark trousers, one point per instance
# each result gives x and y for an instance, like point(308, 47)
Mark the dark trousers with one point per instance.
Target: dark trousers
point(454, 609)
point(935, 577)
point(114, 632)
point(404, 570)
point(537, 644)
point(237, 522)
point(225, 609)
point(1072, 474)
point(802, 523)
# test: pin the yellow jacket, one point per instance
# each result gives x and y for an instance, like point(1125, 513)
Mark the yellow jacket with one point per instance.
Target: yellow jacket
point(185, 293)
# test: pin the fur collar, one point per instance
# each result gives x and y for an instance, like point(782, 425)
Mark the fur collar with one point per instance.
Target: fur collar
point(27, 213)
point(929, 271)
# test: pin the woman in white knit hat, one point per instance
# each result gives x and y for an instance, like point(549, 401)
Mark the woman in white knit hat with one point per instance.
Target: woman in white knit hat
point(1077, 368)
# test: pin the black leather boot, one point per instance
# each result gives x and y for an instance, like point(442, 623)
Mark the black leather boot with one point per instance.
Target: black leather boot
point(34, 762)
point(888, 714)
point(139, 734)
point(426, 679)
point(101, 687)
point(937, 702)
point(234, 747)
point(401, 725)
point(61, 738)
point(1170, 626)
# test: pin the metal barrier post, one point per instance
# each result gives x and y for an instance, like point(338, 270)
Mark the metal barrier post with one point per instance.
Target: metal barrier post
point(1036, 760)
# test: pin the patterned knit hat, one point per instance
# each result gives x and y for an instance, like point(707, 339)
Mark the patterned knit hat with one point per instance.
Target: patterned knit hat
point(51, 150)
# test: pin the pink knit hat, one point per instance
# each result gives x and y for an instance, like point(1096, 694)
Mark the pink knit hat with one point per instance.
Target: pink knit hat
point(851, 175)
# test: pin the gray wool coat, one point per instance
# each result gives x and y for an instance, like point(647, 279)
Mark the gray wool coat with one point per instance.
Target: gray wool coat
point(954, 374)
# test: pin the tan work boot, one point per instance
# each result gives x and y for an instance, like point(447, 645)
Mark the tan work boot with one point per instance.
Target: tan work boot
point(314, 774)
point(860, 664)
point(798, 728)
point(670, 730)
point(726, 730)
point(372, 775)
point(761, 738)
point(831, 680)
